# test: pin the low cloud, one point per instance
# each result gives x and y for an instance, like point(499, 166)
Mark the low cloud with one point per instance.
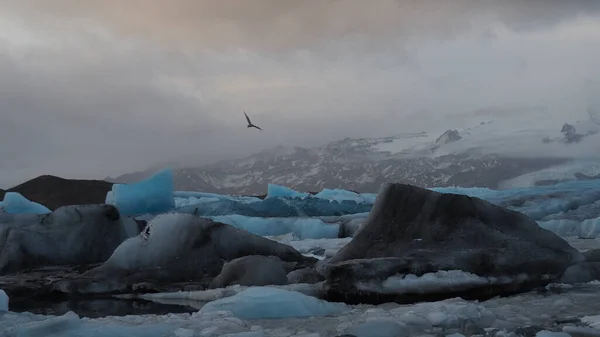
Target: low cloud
point(97, 88)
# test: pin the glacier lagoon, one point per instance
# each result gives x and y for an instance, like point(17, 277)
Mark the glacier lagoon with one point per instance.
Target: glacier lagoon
point(312, 224)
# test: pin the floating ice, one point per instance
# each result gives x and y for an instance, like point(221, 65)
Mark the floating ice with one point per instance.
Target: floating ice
point(268, 302)
point(152, 195)
point(3, 301)
point(301, 228)
point(69, 324)
point(274, 207)
point(15, 203)
point(378, 328)
point(547, 333)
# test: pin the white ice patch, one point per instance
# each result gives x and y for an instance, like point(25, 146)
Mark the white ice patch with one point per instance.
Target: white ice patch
point(440, 281)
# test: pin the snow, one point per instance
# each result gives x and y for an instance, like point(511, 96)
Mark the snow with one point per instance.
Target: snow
point(152, 195)
point(407, 142)
point(3, 301)
point(269, 302)
point(15, 203)
point(564, 172)
point(278, 191)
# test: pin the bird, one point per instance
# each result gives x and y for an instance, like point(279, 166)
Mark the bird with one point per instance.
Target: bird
point(250, 125)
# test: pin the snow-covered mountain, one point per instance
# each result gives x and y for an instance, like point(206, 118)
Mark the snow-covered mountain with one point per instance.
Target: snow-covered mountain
point(484, 155)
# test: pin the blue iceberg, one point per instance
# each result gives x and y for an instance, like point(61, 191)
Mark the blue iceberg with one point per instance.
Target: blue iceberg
point(153, 195)
point(272, 303)
point(15, 203)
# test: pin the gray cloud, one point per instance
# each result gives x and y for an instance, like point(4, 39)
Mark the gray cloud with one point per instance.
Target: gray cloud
point(289, 25)
point(96, 88)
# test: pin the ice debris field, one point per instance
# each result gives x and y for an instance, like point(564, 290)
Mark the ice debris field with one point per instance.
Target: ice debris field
point(311, 224)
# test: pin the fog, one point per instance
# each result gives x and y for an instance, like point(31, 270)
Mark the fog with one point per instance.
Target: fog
point(95, 88)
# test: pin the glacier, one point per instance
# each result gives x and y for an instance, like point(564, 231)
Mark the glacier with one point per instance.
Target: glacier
point(312, 223)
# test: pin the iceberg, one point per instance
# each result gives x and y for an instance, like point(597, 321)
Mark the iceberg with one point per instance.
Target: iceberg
point(301, 228)
point(3, 301)
point(15, 203)
point(268, 302)
point(153, 195)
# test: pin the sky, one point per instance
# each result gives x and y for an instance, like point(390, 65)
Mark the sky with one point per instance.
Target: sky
point(98, 88)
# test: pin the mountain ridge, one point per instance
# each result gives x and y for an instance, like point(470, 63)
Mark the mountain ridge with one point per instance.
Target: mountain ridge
point(454, 158)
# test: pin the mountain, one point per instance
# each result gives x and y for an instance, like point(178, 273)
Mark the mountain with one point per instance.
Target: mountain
point(472, 157)
point(54, 192)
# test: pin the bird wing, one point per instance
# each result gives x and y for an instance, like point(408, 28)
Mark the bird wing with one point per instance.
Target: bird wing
point(247, 118)
point(254, 126)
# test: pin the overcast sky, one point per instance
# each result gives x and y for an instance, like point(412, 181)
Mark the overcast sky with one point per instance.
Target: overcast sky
point(104, 87)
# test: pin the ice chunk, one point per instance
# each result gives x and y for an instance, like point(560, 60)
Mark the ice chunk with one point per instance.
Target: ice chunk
point(302, 228)
point(3, 301)
point(53, 326)
point(153, 195)
point(277, 191)
point(269, 302)
point(71, 235)
point(378, 328)
point(15, 203)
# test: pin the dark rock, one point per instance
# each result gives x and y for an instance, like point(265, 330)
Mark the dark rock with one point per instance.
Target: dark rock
point(54, 192)
point(253, 270)
point(414, 231)
point(177, 248)
point(71, 235)
point(305, 275)
point(592, 255)
point(529, 331)
point(349, 227)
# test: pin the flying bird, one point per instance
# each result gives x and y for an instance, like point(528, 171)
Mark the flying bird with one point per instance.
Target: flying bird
point(250, 125)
